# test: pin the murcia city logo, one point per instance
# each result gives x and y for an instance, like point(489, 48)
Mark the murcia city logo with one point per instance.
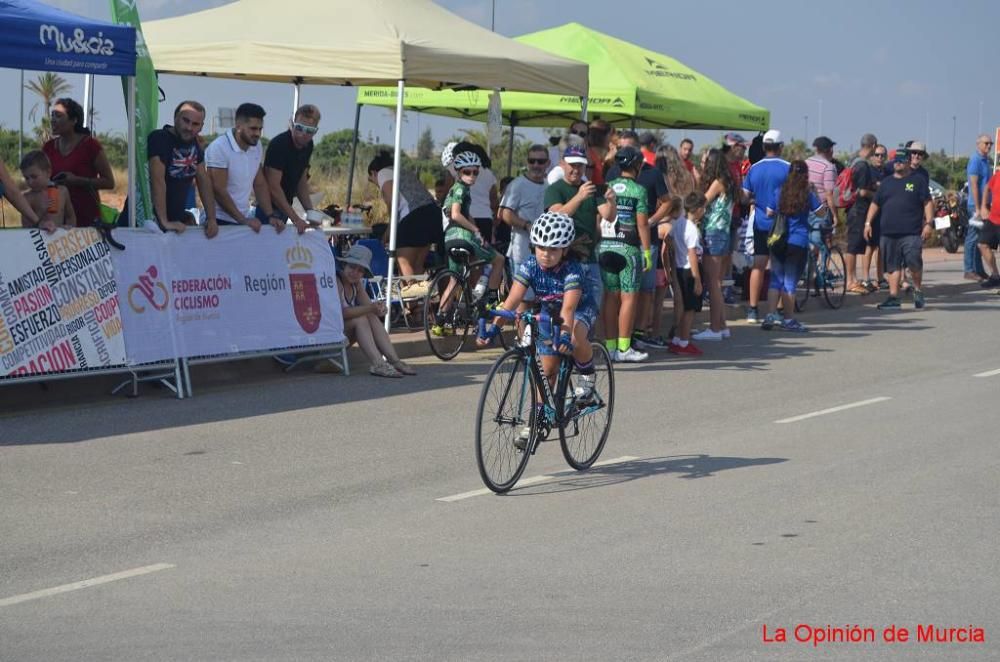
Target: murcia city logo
point(154, 291)
point(305, 294)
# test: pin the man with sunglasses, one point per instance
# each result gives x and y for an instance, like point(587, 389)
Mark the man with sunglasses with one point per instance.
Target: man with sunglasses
point(876, 162)
point(865, 183)
point(286, 165)
point(918, 154)
point(523, 202)
point(978, 172)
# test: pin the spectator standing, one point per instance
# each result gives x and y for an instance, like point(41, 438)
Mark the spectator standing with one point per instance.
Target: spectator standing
point(485, 200)
point(10, 190)
point(876, 163)
point(907, 217)
point(989, 235)
point(577, 131)
point(798, 203)
point(235, 161)
point(523, 202)
point(600, 143)
point(687, 272)
point(823, 177)
point(49, 201)
point(686, 148)
point(420, 222)
point(763, 182)
point(918, 154)
point(864, 180)
point(648, 143)
point(286, 165)
point(78, 161)
point(720, 191)
point(978, 173)
point(736, 151)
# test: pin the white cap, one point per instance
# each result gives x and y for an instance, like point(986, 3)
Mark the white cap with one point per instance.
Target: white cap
point(772, 136)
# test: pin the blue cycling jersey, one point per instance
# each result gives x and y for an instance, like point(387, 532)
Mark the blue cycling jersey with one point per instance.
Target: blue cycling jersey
point(569, 275)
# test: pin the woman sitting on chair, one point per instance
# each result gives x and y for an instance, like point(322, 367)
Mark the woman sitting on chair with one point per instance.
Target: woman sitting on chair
point(361, 316)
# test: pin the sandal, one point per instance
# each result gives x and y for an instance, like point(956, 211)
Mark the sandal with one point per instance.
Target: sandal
point(383, 369)
point(403, 367)
point(858, 288)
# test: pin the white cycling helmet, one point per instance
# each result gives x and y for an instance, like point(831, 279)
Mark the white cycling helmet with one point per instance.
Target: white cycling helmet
point(448, 154)
point(553, 230)
point(466, 160)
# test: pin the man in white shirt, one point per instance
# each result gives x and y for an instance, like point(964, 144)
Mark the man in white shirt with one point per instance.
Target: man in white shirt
point(234, 162)
point(523, 202)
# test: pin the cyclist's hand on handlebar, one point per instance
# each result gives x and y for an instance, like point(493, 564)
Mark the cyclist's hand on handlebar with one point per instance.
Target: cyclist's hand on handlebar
point(565, 343)
point(491, 332)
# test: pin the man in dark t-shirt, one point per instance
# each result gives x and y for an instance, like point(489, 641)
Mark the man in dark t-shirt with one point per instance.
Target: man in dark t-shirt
point(907, 216)
point(175, 159)
point(865, 183)
point(286, 165)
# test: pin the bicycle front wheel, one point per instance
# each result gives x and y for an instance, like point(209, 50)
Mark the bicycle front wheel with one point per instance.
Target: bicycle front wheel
point(834, 273)
point(447, 314)
point(585, 424)
point(806, 282)
point(505, 419)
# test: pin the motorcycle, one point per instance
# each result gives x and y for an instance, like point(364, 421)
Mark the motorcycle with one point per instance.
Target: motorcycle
point(951, 220)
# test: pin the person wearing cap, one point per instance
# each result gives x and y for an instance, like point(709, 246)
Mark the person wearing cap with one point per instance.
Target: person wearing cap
point(286, 165)
point(918, 154)
point(978, 172)
point(763, 183)
point(865, 183)
point(361, 316)
point(823, 175)
point(648, 144)
point(587, 204)
point(907, 217)
point(876, 162)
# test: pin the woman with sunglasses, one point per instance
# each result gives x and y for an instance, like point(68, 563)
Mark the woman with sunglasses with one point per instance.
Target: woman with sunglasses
point(286, 165)
point(78, 161)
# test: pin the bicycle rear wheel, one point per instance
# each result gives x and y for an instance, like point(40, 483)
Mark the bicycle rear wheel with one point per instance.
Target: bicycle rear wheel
point(806, 282)
point(447, 321)
point(834, 275)
point(507, 406)
point(584, 428)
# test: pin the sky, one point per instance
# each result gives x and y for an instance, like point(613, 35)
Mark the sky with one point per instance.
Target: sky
point(902, 70)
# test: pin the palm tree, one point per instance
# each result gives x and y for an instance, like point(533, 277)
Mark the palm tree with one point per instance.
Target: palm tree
point(49, 87)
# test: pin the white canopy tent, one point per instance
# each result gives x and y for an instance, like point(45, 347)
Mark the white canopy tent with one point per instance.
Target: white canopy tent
point(379, 42)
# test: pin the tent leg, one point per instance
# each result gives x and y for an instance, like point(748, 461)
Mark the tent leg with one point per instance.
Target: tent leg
point(510, 145)
point(296, 95)
point(394, 211)
point(583, 109)
point(133, 189)
point(354, 155)
point(20, 133)
point(88, 100)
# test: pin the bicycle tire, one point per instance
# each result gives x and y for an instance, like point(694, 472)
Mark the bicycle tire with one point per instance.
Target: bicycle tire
point(834, 278)
point(507, 403)
point(592, 423)
point(447, 346)
point(805, 283)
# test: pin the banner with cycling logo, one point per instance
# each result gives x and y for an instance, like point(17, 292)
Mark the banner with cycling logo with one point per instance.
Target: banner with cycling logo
point(185, 295)
point(58, 303)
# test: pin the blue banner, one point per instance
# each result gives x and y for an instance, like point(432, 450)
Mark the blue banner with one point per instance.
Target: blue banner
point(42, 38)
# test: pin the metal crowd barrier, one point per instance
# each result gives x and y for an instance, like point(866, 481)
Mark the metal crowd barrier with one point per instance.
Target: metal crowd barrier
point(168, 373)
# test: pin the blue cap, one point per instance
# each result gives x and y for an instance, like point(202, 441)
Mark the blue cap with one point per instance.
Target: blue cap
point(575, 154)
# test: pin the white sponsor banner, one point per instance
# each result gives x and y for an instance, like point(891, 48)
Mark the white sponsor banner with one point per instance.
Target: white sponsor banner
point(185, 295)
point(58, 303)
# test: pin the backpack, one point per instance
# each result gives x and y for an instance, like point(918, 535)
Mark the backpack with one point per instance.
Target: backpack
point(845, 193)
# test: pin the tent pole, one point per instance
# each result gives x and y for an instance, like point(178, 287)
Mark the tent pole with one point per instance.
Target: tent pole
point(295, 97)
point(20, 133)
point(354, 155)
point(88, 100)
point(583, 109)
point(510, 145)
point(132, 178)
point(394, 211)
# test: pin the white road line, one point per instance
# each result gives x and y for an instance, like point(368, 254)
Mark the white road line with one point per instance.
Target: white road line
point(988, 373)
point(86, 583)
point(534, 480)
point(833, 410)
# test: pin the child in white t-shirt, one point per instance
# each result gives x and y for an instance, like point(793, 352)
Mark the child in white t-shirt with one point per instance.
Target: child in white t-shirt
point(687, 253)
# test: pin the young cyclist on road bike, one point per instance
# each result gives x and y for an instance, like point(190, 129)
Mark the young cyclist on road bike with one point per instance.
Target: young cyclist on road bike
point(462, 232)
point(552, 272)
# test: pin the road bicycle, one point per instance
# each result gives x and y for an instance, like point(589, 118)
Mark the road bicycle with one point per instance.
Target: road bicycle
point(451, 309)
point(519, 408)
point(825, 270)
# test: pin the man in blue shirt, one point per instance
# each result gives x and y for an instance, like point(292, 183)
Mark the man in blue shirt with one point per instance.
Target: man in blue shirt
point(763, 183)
point(979, 172)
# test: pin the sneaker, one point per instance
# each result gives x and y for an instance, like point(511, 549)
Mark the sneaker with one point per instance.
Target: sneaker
point(639, 340)
point(584, 388)
point(793, 325)
point(726, 333)
point(992, 281)
point(690, 349)
point(383, 369)
point(770, 321)
point(752, 315)
point(708, 334)
point(631, 355)
point(441, 330)
point(404, 367)
point(892, 303)
point(657, 342)
point(971, 275)
point(883, 284)
point(918, 298)
point(728, 296)
point(870, 286)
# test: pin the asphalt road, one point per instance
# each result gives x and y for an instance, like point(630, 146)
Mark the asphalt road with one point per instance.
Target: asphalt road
point(300, 520)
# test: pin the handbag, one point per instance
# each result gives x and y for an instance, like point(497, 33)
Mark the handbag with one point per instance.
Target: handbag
point(777, 240)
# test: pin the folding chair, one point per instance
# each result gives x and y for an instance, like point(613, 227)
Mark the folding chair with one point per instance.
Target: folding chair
point(395, 300)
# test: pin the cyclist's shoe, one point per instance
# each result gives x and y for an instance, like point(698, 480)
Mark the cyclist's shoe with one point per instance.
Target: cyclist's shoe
point(442, 330)
point(794, 326)
point(770, 321)
point(584, 390)
point(752, 315)
point(918, 298)
point(892, 303)
point(523, 437)
point(631, 355)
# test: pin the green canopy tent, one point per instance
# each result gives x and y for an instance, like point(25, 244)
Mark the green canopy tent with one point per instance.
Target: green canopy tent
point(629, 85)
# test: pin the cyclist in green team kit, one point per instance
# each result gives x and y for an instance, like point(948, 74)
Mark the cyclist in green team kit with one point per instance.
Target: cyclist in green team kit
point(624, 253)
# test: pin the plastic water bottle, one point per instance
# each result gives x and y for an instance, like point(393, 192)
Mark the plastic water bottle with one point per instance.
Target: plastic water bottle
point(480, 289)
